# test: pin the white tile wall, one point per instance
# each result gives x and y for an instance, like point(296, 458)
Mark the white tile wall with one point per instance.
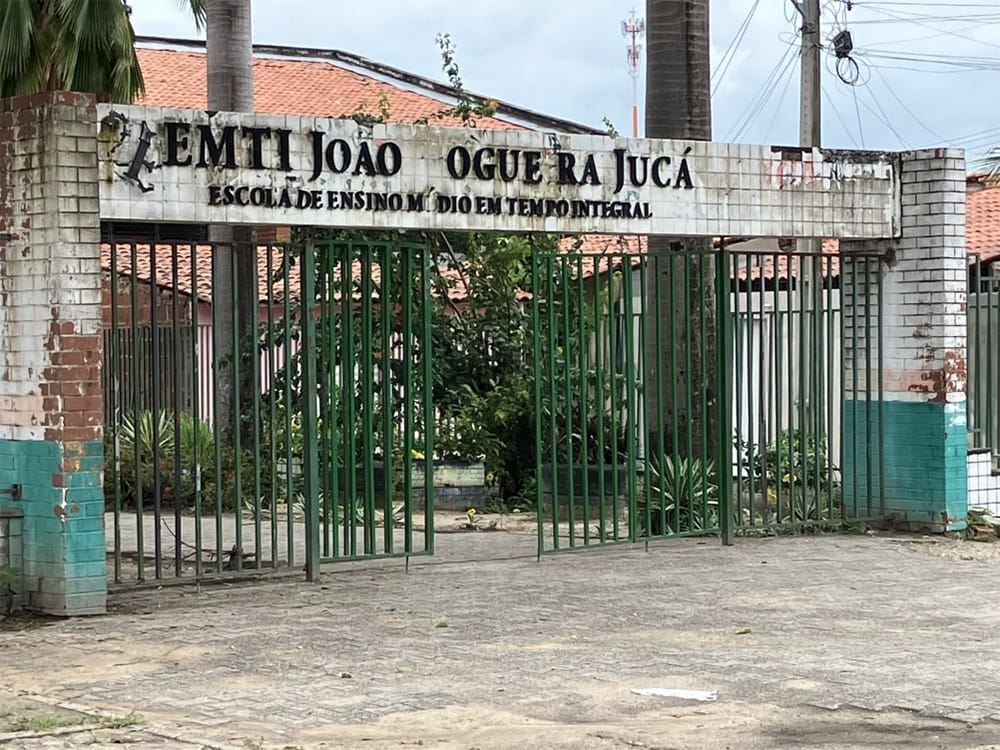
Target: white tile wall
point(739, 190)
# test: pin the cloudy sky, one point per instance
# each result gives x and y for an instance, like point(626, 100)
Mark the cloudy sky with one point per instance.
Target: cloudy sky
point(925, 73)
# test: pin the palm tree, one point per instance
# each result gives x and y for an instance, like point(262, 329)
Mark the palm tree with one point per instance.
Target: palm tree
point(52, 45)
point(229, 52)
point(678, 105)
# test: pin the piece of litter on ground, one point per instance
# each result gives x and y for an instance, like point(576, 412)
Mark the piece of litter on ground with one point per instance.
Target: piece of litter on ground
point(689, 695)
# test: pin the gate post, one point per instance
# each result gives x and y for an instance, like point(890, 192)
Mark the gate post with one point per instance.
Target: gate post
point(920, 417)
point(51, 416)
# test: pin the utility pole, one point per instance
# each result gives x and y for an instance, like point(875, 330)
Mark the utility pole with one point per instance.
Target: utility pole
point(634, 27)
point(810, 266)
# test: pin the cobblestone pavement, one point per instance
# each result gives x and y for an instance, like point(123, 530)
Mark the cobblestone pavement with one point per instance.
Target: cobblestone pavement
point(828, 641)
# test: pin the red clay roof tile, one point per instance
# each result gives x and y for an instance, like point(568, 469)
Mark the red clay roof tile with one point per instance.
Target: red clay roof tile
point(315, 88)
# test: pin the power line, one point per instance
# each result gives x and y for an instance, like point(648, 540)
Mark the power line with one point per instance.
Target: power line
point(833, 107)
point(857, 112)
point(761, 100)
point(744, 120)
point(903, 104)
point(730, 54)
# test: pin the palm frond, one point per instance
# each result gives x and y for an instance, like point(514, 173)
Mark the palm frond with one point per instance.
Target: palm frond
point(197, 8)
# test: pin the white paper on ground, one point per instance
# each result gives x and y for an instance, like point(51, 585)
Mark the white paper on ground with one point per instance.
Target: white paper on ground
point(690, 695)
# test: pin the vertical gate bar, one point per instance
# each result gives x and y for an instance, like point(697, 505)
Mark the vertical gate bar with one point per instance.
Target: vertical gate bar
point(349, 399)
point(658, 450)
point(154, 373)
point(196, 417)
point(217, 411)
point(583, 364)
point(819, 356)
point(600, 400)
point(333, 326)
point(324, 376)
point(703, 369)
point(407, 395)
point(880, 362)
point(614, 416)
point(854, 387)
point(550, 333)
point(755, 375)
point(287, 314)
point(536, 344)
point(631, 426)
point(738, 375)
point(688, 396)
point(137, 378)
point(797, 492)
point(828, 388)
point(271, 407)
point(255, 382)
point(310, 457)
point(783, 322)
point(236, 406)
point(428, 402)
point(368, 401)
point(674, 260)
point(642, 376)
point(868, 386)
point(770, 327)
point(974, 403)
point(175, 355)
point(565, 284)
point(723, 362)
point(116, 411)
point(991, 310)
point(386, 306)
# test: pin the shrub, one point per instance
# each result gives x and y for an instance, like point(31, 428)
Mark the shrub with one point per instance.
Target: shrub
point(683, 496)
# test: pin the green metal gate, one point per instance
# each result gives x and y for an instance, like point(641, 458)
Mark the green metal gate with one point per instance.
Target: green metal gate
point(315, 456)
point(704, 393)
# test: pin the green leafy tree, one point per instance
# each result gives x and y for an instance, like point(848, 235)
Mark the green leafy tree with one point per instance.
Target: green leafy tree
point(76, 45)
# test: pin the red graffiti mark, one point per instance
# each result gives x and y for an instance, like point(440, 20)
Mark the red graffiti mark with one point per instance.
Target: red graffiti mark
point(59, 511)
point(74, 509)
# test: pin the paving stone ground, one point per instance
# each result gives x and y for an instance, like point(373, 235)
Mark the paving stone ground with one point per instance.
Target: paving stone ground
point(828, 641)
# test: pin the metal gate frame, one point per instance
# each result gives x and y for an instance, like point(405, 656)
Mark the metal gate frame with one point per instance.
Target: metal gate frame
point(789, 475)
point(185, 505)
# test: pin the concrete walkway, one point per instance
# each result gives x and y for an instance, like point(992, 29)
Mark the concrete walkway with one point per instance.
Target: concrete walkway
point(819, 642)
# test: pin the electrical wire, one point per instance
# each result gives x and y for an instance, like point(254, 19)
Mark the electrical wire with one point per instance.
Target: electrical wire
point(730, 54)
point(777, 109)
point(836, 112)
point(758, 101)
point(857, 112)
point(957, 35)
point(903, 105)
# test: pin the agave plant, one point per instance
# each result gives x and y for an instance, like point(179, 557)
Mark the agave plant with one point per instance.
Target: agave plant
point(683, 496)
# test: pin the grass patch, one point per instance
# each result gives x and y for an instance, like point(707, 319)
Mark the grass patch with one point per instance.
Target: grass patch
point(42, 723)
point(120, 722)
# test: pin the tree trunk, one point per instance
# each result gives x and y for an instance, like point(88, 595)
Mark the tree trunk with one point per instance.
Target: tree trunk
point(229, 45)
point(678, 106)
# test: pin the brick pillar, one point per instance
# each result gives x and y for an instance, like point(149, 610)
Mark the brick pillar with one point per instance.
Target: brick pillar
point(51, 420)
point(923, 328)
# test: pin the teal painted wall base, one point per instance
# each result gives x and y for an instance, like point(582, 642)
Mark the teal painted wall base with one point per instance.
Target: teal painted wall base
point(62, 529)
point(923, 466)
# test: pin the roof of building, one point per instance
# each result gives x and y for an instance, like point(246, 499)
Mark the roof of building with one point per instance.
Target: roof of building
point(176, 78)
point(325, 83)
point(982, 222)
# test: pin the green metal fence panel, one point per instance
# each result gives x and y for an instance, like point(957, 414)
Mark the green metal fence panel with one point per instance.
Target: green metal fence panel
point(705, 392)
point(983, 356)
point(194, 487)
point(611, 467)
point(320, 453)
point(375, 419)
